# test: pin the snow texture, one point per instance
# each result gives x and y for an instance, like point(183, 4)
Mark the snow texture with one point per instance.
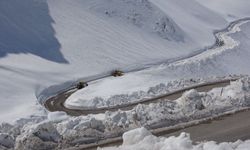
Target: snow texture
point(57, 42)
point(47, 133)
point(135, 86)
point(141, 138)
point(48, 42)
point(79, 101)
point(57, 116)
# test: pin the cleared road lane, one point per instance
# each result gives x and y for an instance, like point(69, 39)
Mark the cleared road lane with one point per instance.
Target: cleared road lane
point(224, 129)
point(56, 103)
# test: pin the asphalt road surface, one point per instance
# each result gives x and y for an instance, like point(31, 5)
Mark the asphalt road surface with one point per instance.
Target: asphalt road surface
point(228, 128)
point(56, 103)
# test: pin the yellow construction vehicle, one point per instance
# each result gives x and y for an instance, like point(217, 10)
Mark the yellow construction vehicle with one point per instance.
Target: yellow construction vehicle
point(117, 73)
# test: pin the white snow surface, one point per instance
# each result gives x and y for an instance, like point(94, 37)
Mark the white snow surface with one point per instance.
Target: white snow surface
point(142, 139)
point(47, 133)
point(57, 116)
point(229, 9)
point(48, 42)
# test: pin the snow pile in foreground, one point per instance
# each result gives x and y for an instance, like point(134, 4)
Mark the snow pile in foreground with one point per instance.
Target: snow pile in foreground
point(60, 131)
point(6, 141)
point(193, 104)
point(141, 138)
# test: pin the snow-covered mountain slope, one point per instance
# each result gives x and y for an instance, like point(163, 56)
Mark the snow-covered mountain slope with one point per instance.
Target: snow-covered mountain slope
point(229, 9)
point(26, 27)
point(44, 42)
point(230, 58)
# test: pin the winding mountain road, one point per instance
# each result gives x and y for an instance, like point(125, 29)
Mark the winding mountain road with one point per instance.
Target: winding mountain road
point(56, 103)
point(224, 128)
point(219, 42)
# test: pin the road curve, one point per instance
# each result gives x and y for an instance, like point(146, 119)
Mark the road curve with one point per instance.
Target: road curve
point(56, 103)
point(228, 128)
point(45, 94)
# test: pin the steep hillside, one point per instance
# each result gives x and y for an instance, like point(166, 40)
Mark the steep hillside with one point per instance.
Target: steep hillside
point(26, 27)
point(44, 42)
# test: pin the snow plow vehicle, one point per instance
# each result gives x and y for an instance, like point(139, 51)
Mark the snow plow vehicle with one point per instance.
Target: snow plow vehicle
point(117, 73)
point(81, 85)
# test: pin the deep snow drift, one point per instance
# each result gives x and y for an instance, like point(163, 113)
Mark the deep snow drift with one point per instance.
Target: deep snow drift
point(60, 131)
point(142, 139)
point(46, 42)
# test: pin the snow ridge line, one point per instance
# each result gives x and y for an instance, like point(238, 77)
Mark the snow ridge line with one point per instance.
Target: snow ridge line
point(54, 90)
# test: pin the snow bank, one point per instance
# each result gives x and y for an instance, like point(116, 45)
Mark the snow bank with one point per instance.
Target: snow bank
point(60, 131)
point(57, 116)
point(82, 99)
point(205, 58)
point(141, 138)
point(135, 136)
point(42, 136)
point(192, 104)
point(6, 140)
point(79, 100)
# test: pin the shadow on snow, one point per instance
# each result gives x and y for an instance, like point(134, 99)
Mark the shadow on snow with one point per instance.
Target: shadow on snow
point(26, 27)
